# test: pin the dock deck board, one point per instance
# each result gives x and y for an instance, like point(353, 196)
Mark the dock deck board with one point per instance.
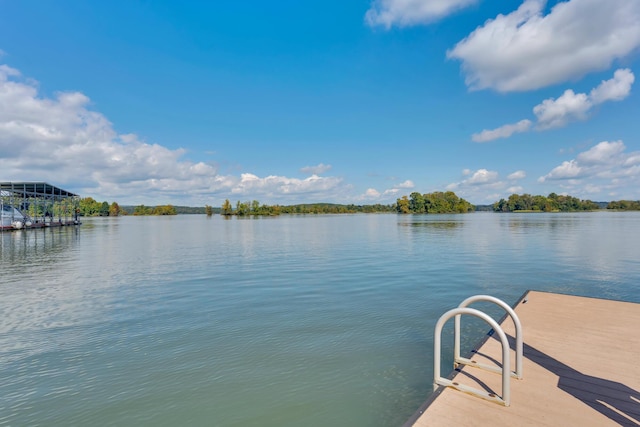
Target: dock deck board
point(580, 368)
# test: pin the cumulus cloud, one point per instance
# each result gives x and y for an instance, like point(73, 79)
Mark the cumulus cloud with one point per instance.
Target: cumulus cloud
point(316, 170)
point(615, 89)
point(479, 184)
point(570, 106)
point(407, 184)
point(502, 132)
point(603, 153)
point(605, 166)
point(388, 13)
point(372, 193)
point(517, 175)
point(251, 184)
point(554, 113)
point(514, 190)
point(60, 139)
point(568, 169)
point(481, 177)
point(527, 50)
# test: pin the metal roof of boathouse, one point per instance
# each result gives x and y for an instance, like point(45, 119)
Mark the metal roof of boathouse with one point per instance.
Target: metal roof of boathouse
point(34, 189)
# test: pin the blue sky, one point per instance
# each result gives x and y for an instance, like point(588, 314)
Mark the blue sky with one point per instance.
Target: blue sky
point(192, 103)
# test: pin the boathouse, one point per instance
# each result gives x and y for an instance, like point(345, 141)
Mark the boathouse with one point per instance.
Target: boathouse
point(36, 205)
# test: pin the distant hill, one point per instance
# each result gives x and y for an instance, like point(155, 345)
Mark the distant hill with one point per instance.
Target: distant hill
point(484, 208)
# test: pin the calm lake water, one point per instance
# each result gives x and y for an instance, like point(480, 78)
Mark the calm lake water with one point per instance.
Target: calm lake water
point(288, 321)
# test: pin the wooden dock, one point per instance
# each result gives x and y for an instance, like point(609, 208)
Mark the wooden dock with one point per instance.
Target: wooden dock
point(580, 368)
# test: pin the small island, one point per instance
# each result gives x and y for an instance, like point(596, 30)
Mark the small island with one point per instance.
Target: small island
point(551, 203)
point(436, 202)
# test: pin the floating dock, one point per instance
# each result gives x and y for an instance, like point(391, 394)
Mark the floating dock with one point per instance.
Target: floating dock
point(36, 205)
point(579, 369)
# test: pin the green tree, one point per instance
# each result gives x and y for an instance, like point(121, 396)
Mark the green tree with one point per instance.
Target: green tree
point(89, 207)
point(417, 203)
point(242, 209)
point(104, 209)
point(208, 210)
point(141, 210)
point(402, 205)
point(164, 210)
point(226, 208)
point(114, 209)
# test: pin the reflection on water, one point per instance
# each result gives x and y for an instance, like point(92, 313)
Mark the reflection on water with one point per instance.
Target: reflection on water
point(43, 245)
point(432, 222)
point(288, 321)
point(37, 290)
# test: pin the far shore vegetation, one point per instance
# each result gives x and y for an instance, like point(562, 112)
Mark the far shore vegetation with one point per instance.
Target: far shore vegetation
point(415, 203)
point(551, 203)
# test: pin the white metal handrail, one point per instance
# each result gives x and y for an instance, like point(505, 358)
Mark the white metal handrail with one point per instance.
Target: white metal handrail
point(505, 399)
point(458, 360)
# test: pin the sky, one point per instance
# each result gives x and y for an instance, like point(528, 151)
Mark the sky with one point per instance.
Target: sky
point(360, 101)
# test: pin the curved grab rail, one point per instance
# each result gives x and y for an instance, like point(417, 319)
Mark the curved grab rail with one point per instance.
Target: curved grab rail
point(519, 340)
point(439, 380)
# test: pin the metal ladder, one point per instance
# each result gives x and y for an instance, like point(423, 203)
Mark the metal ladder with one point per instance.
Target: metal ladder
point(506, 372)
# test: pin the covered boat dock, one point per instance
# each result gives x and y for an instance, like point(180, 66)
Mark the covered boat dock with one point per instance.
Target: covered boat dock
point(36, 205)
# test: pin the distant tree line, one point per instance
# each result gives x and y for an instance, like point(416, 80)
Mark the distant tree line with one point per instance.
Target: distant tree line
point(255, 208)
point(156, 210)
point(551, 203)
point(625, 205)
point(87, 206)
point(437, 202)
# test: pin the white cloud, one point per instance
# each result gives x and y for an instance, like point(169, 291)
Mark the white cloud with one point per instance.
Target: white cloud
point(486, 186)
point(605, 166)
point(568, 169)
point(251, 184)
point(403, 13)
point(615, 89)
point(407, 184)
point(527, 50)
point(603, 152)
point(316, 170)
point(554, 113)
point(502, 132)
point(517, 175)
point(482, 176)
point(478, 181)
point(453, 186)
point(61, 140)
point(386, 196)
point(570, 106)
point(372, 193)
point(516, 189)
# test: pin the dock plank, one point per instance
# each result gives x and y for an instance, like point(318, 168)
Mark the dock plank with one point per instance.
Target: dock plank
point(579, 369)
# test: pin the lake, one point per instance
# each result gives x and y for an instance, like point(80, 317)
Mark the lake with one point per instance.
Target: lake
point(319, 320)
